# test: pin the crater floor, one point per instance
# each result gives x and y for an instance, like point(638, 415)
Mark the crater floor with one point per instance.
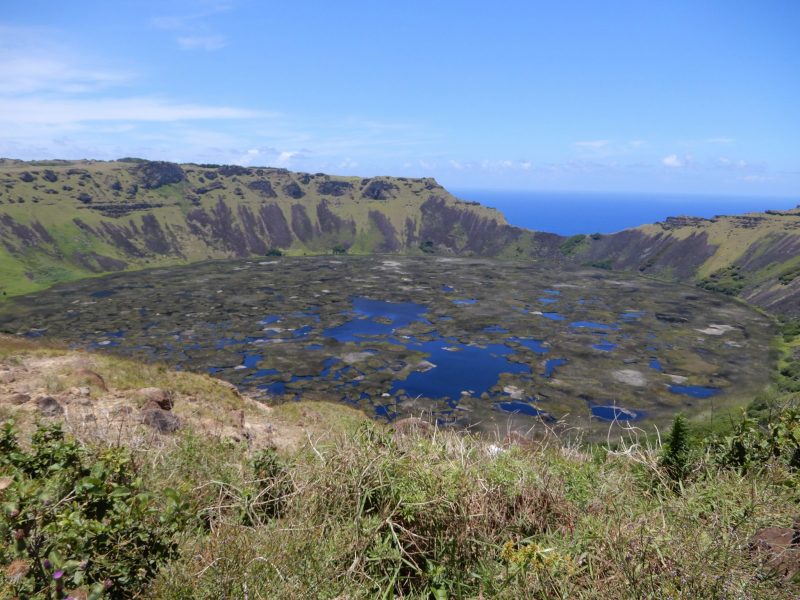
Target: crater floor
point(477, 343)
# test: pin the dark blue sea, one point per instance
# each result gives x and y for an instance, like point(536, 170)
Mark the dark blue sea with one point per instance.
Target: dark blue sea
point(568, 213)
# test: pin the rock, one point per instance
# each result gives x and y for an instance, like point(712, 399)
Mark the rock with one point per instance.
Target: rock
point(334, 188)
point(160, 420)
point(515, 392)
point(84, 391)
point(671, 318)
point(7, 377)
point(378, 190)
point(494, 450)
point(354, 357)
point(293, 190)
point(424, 366)
point(229, 386)
point(122, 411)
point(630, 377)
point(91, 378)
point(154, 174)
point(779, 548)
point(49, 406)
point(163, 399)
point(18, 399)
point(713, 329)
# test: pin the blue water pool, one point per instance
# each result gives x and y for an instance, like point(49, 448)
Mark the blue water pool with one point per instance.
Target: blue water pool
point(553, 316)
point(695, 391)
point(398, 315)
point(614, 413)
point(550, 366)
point(531, 344)
point(604, 346)
point(459, 367)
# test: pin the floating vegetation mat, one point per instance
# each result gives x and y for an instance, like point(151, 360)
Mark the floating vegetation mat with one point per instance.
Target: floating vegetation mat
point(474, 343)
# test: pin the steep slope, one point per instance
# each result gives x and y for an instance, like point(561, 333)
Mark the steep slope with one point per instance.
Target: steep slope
point(755, 256)
point(63, 220)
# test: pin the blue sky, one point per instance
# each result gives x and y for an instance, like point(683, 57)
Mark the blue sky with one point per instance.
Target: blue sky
point(682, 96)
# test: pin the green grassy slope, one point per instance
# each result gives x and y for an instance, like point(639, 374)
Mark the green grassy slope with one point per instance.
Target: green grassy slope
point(64, 220)
point(754, 256)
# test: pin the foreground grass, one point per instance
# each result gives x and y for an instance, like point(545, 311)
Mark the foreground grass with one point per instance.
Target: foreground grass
point(364, 513)
point(359, 510)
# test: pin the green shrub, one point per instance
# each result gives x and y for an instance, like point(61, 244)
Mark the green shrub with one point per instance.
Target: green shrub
point(572, 244)
point(752, 445)
point(606, 264)
point(789, 275)
point(675, 454)
point(728, 280)
point(790, 329)
point(76, 519)
point(427, 247)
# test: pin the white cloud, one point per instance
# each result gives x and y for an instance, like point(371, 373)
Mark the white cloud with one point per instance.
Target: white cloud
point(592, 144)
point(193, 19)
point(67, 111)
point(755, 178)
point(34, 62)
point(45, 83)
point(720, 140)
point(202, 42)
point(25, 75)
point(284, 158)
point(672, 161)
point(196, 33)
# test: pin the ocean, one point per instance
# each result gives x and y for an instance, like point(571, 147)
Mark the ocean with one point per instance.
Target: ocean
point(568, 213)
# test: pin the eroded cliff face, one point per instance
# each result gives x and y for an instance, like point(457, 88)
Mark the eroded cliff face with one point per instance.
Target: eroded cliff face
point(754, 256)
point(63, 220)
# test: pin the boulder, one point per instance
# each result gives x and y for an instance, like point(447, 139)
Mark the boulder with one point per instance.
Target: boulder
point(7, 377)
point(779, 548)
point(161, 420)
point(89, 377)
point(154, 174)
point(19, 398)
point(49, 406)
point(163, 399)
